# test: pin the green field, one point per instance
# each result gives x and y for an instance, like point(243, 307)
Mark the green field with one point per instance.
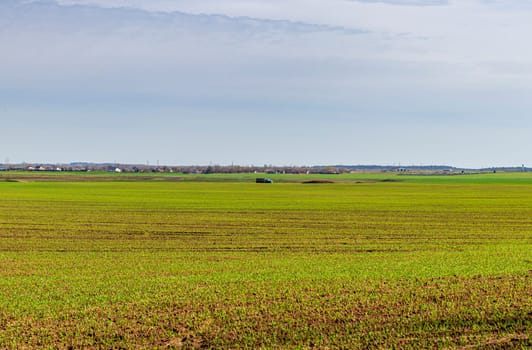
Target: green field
point(217, 261)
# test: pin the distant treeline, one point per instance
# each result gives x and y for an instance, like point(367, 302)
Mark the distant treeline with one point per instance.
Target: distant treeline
point(236, 169)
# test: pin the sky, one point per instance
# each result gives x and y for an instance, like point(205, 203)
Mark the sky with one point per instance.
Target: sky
point(253, 82)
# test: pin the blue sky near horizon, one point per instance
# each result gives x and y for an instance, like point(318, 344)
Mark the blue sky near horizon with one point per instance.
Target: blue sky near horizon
point(266, 81)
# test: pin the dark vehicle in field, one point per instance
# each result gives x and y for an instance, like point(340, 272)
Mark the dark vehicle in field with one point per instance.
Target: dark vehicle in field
point(263, 180)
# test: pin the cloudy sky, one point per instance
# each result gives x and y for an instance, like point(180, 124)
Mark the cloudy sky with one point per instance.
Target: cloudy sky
point(267, 81)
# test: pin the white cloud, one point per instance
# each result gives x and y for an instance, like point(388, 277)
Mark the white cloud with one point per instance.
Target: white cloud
point(407, 2)
point(460, 31)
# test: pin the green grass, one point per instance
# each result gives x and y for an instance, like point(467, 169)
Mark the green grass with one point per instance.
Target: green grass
point(431, 261)
point(480, 178)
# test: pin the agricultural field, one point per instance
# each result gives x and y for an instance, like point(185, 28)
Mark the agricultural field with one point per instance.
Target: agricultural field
point(369, 261)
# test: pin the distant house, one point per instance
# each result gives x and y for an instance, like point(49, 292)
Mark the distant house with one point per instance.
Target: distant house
point(118, 170)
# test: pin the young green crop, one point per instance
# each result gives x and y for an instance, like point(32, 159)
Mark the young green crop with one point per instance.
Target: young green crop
point(423, 262)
